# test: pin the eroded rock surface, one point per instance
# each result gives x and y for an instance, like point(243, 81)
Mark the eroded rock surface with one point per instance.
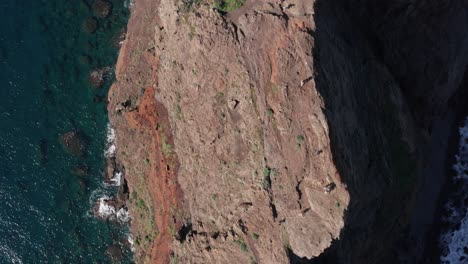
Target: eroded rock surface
point(270, 134)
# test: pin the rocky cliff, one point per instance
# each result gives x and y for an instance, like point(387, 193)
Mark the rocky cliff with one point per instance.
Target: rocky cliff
point(275, 131)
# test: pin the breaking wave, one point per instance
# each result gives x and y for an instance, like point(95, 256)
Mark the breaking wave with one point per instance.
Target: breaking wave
point(110, 148)
point(455, 241)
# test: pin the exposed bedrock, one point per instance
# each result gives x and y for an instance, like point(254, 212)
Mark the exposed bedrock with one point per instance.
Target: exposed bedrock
point(287, 131)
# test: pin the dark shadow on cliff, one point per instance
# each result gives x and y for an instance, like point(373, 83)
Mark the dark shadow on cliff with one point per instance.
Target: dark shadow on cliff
point(379, 126)
point(365, 111)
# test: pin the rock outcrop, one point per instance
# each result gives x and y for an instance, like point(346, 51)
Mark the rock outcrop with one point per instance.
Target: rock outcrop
point(283, 131)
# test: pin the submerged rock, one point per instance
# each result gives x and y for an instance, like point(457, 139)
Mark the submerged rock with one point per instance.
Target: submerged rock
point(102, 8)
point(115, 253)
point(44, 150)
point(80, 170)
point(90, 25)
point(98, 77)
point(74, 142)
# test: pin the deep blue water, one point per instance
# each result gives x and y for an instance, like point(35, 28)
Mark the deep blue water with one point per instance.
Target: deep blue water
point(45, 59)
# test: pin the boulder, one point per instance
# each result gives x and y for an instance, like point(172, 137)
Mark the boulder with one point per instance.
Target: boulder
point(80, 170)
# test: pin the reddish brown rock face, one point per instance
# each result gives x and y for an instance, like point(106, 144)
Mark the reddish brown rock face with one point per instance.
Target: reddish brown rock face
point(245, 136)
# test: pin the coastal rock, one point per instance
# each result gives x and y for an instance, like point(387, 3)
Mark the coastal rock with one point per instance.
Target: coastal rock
point(104, 208)
point(98, 77)
point(74, 142)
point(102, 8)
point(120, 37)
point(90, 25)
point(286, 123)
point(109, 209)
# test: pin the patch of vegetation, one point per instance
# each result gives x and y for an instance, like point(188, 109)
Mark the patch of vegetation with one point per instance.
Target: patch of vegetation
point(228, 5)
point(178, 111)
point(299, 140)
point(214, 197)
point(142, 205)
point(151, 236)
point(171, 230)
point(243, 246)
point(266, 182)
point(133, 196)
point(191, 33)
point(174, 258)
point(166, 148)
point(254, 147)
point(189, 5)
point(220, 98)
point(275, 89)
point(255, 236)
point(270, 112)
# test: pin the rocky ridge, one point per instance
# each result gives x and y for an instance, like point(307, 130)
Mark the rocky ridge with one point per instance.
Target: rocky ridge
point(274, 133)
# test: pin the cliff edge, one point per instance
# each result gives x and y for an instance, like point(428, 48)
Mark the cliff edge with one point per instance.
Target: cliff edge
point(273, 131)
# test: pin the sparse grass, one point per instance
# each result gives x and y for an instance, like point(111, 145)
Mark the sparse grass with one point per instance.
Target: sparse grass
point(228, 5)
point(220, 98)
point(178, 111)
point(166, 148)
point(189, 5)
point(254, 147)
point(266, 181)
point(141, 205)
point(275, 89)
point(171, 230)
point(174, 258)
point(214, 197)
point(133, 196)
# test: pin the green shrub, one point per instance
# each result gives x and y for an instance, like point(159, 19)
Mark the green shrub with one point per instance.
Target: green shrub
point(228, 5)
point(255, 236)
point(266, 182)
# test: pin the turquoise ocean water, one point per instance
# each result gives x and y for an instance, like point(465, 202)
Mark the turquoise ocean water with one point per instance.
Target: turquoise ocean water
point(45, 60)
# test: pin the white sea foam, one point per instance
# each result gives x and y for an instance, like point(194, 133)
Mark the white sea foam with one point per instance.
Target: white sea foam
point(455, 241)
point(122, 215)
point(129, 3)
point(131, 242)
point(117, 179)
point(105, 210)
point(109, 151)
